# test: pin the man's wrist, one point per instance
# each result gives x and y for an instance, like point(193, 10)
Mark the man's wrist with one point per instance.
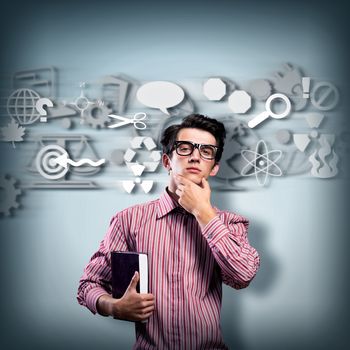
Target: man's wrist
point(106, 305)
point(205, 215)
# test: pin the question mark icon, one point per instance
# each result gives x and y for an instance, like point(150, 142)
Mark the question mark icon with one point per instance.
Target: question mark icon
point(40, 107)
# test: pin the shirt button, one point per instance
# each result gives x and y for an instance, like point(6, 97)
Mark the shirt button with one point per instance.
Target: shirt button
point(210, 236)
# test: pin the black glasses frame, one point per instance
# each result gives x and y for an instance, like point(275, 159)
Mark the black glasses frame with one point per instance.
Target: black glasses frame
point(195, 145)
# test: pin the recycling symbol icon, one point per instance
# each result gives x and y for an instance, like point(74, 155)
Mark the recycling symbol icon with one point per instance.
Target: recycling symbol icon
point(137, 144)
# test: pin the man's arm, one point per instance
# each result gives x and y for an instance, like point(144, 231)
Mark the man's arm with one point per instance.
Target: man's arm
point(96, 280)
point(132, 306)
point(94, 290)
point(226, 235)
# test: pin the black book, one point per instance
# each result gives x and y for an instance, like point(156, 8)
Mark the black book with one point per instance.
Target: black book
point(124, 265)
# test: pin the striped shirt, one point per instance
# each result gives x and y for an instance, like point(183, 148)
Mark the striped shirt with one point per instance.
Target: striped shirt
point(187, 266)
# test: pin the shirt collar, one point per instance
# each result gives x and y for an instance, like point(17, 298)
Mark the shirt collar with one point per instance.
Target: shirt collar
point(166, 204)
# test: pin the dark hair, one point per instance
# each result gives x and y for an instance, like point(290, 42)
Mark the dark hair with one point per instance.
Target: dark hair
point(197, 121)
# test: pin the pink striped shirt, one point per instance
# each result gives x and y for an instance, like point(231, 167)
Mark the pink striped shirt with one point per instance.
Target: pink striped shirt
point(187, 266)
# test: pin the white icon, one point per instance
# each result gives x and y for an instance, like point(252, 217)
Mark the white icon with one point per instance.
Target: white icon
point(324, 96)
point(96, 115)
point(129, 185)
point(324, 160)
point(314, 119)
point(130, 154)
point(46, 164)
point(268, 112)
point(239, 101)
point(305, 82)
point(301, 141)
point(12, 133)
point(63, 160)
point(136, 120)
point(49, 148)
point(40, 107)
point(214, 89)
point(52, 162)
point(261, 163)
point(21, 106)
point(136, 167)
point(160, 94)
point(81, 102)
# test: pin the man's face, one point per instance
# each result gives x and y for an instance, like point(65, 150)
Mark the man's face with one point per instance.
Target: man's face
point(193, 167)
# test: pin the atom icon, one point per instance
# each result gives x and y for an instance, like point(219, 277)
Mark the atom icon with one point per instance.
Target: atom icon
point(261, 163)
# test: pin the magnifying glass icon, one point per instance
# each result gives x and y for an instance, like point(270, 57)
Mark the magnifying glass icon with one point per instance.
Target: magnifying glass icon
point(268, 112)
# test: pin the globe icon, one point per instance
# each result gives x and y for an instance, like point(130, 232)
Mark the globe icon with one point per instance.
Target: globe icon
point(21, 106)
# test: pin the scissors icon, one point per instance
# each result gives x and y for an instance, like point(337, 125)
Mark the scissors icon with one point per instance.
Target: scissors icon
point(268, 111)
point(136, 120)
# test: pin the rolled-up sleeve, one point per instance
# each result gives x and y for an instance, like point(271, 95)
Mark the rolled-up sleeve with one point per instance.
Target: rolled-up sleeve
point(227, 237)
point(96, 279)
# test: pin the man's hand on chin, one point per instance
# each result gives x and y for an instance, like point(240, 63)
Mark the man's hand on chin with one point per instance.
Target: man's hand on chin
point(195, 199)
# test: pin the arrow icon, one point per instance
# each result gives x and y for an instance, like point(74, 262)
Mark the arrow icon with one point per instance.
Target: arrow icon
point(63, 161)
point(137, 142)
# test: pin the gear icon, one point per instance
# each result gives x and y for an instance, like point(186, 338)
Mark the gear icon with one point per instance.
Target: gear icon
point(9, 200)
point(96, 115)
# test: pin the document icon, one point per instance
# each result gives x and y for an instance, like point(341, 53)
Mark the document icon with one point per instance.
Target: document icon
point(41, 80)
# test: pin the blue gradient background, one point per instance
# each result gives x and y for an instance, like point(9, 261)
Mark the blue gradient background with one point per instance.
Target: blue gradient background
point(298, 224)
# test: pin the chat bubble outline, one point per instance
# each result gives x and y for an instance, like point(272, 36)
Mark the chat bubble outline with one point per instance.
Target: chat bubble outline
point(160, 94)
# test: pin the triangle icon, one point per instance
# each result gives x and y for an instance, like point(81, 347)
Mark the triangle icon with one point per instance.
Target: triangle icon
point(128, 185)
point(147, 186)
point(301, 141)
point(314, 119)
point(137, 169)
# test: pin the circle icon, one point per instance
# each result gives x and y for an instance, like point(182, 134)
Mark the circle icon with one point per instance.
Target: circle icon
point(46, 162)
point(278, 97)
point(283, 136)
point(260, 89)
point(21, 105)
point(314, 134)
point(82, 103)
point(324, 96)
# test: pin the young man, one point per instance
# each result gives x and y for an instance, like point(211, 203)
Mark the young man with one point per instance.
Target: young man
point(192, 248)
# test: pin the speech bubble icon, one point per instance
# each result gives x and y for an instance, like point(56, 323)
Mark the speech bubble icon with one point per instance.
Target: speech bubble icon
point(160, 94)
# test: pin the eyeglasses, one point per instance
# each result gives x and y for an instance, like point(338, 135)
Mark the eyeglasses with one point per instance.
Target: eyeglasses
point(186, 148)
